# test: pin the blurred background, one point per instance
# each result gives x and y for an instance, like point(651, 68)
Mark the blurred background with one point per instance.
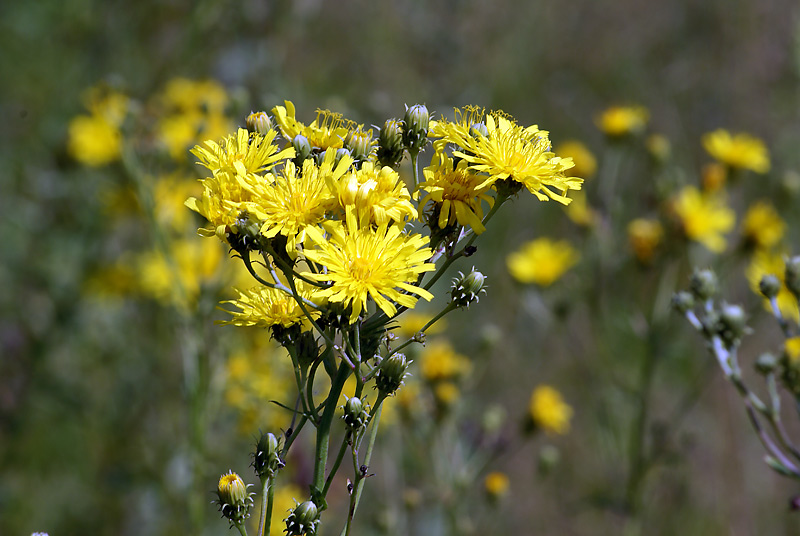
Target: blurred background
point(121, 401)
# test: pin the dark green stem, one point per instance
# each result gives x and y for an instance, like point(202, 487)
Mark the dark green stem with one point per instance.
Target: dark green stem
point(324, 427)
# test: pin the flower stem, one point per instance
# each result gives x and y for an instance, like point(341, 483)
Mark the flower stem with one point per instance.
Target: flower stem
point(267, 496)
point(324, 427)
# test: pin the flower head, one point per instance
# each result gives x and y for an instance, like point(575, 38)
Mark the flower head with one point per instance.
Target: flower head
point(440, 362)
point(456, 192)
point(619, 121)
point(762, 225)
point(496, 484)
point(327, 131)
point(93, 140)
point(364, 262)
point(542, 261)
point(267, 307)
point(737, 151)
point(241, 153)
point(704, 217)
point(376, 193)
point(644, 237)
point(548, 410)
point(522, 154)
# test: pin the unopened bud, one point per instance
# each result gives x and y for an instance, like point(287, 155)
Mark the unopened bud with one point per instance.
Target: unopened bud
point(733, 322)
point(769, 286)
point(355, 415)
point(266, 459)
point(792, 275)
point(390, 143)
point(359, 143)
point(466, 289)
point(234, 501)
point(683, 301)
point(391, 374)
point(258, 122)
point(304, 520)
point(302, 149)
point(479, 129)
point(766, 363)
point(703, 284)
point(415, 127)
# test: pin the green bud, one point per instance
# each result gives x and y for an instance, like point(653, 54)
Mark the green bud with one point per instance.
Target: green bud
point(302, 149)
point(766, 363)
point(769, 286)
point(732, 323)
point(792, 275)
point(479, 129)
point(683, 301)
point(703, 284)
point(391, 374)
point(466, 289)
point(549, 457)
point(266, 459)
point(258, 122)
point(244, 234)
point(360, 144)
point(415, 128)
point(304, 520)
point(234, 501)
point(355, 415)
point(390, 143)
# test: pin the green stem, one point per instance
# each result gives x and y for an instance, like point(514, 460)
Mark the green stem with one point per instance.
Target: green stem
point(267, 495)
point(414, 155)
point(336, 463)
point(242, 529)
point(324, 427)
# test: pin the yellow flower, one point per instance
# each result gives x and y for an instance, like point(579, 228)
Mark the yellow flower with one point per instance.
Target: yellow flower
point(737, 151)
point(496, 484)
point(366, 262)
point(241, 153)
point(439, 361)
point(185, 95)
point(93, 140)
point(792, 349)
point(446, 392)
point(292, 201)
point(713, 176)
point(411, 322)
point(659, 147)
point(169, 194)
point(619, 121)
point(542, 261)
point(548, 410)
point(377, 194)
point(456, 192)
point(644, 237)
point(582, 157)
point(266, 307)
point(579, 210)
point(762, 226)
point(521, 154)
point(763, 263)
point(327, 131)
point(704, 217)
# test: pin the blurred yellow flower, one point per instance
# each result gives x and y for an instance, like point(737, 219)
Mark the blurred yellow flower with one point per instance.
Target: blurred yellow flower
point(659, 147)
point(93, 140)
point(548, 410)
point(439, 361)
point(737, 151)
point(792, 349)
point(579, 210)
point(582, 157)
point(619, 121)
point(704, 217)
point(765, 262)
point(446, 392)
point(644, 236)
point(411, 322)
point(713, 176)
point(762, 225)
point(542, 261)
point(496, 484)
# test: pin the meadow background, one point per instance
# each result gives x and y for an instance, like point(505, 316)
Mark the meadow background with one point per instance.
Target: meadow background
point(99, 430)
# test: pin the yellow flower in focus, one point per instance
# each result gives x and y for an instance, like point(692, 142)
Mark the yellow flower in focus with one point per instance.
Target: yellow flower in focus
point(762, 225)
point(93, 140)
point(791, 348)
point(456, 192)
point(267, 307)
point(439, 362)
point(327, 131)
point(369, 263)
point(509, 151)
point(241, 153)
point(737, 151)
point(496, 484)
point(579, 210)
point(542, 261)
point(619, 121)
point(548, 410)
point(377, 194)
point(644, 237)
point(766, 262)
point(704, 217)
point(582, 157)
